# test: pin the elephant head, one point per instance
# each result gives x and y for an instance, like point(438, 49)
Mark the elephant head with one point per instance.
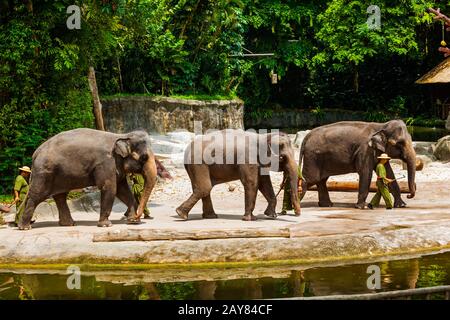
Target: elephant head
point(281, 151)
point(393, 138)
point(135, 156)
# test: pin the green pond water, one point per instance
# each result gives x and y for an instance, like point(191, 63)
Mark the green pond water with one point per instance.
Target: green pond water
point(231, 283)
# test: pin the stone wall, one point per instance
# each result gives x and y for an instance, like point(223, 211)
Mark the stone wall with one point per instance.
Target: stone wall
point(163, 114)
point(303, 118)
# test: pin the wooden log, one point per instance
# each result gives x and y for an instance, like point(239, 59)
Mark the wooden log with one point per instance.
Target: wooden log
point(352, 186)
point(199, 234)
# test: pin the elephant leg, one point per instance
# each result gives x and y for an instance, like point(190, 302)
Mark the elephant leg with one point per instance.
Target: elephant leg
point(249, 178)
point(324, 196)
point(208, 210)
point(265, 187)
point(126, 196)
point(65, 219)
point(108, 187)
point(394, 188)
point(201, 188)
point(39, 191)
point(365, 177)
point(106, 203)
point(30, 206)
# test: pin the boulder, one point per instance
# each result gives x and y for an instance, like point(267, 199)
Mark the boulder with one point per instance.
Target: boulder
point(299, 138)
point(442, 151)
point(423, 148)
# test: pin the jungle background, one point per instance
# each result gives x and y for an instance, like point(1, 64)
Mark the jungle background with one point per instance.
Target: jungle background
point(325, 56)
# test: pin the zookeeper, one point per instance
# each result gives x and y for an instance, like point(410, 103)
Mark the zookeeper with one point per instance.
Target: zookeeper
point(382, 184)
point(21, 186)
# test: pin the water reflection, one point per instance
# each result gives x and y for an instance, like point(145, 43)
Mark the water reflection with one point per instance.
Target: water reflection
point(248, 283)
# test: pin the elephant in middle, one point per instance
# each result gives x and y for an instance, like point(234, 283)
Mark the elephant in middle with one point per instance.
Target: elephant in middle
point(228, 155)
point(353, 146)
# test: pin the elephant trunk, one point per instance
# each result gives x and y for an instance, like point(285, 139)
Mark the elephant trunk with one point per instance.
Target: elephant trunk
point(292, 170)
point(149, 173)
point(410, 159)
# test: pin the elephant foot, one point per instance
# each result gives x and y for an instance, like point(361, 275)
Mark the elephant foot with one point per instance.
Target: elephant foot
point(66, 223)
point(271, 214)
point(400, 205)
point(325, 204)
point(181, 213)
point(249, 217)
point(210, 215)
point(104, 223)
point(360, 205)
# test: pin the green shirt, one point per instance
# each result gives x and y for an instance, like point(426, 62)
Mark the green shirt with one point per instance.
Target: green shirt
point(21, 186)
point(381, 173)
point(138, 183)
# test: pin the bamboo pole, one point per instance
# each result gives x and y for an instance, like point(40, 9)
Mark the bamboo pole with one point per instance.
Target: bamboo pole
point(199, 234)
point(353, 186)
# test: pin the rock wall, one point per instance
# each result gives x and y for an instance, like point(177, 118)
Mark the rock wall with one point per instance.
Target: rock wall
point(163, 114)
point(303, 118)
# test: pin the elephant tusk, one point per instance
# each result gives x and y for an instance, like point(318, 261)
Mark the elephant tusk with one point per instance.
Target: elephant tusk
point(135, 156)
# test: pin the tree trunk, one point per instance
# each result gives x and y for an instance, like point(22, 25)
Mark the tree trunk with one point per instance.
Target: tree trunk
point(96, 100)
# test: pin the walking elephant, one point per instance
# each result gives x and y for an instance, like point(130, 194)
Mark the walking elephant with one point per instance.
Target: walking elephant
point(353, 146)
point(85, 157)
point(228, 155)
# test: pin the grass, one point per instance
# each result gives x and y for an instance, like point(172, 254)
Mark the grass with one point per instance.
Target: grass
point(204, 97)
point(6, 198)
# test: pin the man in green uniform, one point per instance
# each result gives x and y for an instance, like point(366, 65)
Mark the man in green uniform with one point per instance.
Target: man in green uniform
point(137, 187)
point(286, 185)
point(382, 184)
point(20, 191)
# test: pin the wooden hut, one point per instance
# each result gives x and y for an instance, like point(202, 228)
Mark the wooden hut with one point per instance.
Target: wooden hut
point(439, 81)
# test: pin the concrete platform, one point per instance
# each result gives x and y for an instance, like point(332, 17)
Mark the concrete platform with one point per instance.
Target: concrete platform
point(338, 234)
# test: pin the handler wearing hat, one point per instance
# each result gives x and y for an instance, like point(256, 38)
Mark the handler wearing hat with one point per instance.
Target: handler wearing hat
point(382, 184)
point(20, 191)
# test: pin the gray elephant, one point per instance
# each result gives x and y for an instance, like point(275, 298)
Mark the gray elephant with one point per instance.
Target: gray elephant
point(85, 157)
point(353, 146)
point(238, 155)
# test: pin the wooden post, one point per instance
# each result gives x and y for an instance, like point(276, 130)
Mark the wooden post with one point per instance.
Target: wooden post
point(97, 107)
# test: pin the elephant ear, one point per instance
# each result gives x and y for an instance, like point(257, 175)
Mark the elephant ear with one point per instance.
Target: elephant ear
point(378, 141)
point(122, 148)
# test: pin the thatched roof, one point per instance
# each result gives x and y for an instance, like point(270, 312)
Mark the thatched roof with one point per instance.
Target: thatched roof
point(439, 74)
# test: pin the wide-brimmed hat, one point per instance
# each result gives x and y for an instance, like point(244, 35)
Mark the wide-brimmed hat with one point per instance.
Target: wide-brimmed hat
point(384, 156)
point(25, 169)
